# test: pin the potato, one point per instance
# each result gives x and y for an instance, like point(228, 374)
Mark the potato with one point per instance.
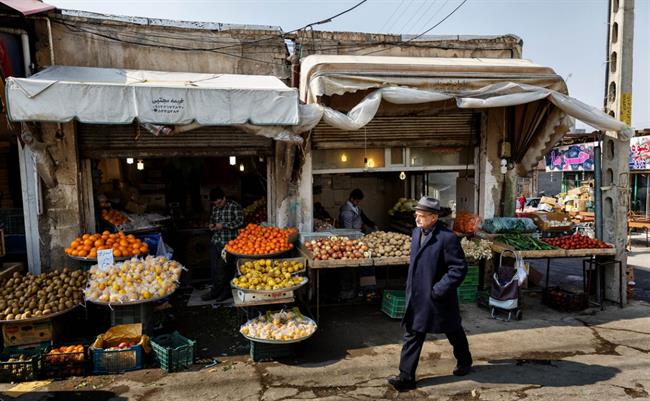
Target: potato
point(10, 316)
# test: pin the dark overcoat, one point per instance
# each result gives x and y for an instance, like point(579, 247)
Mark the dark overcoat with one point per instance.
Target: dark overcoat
point(436, 270)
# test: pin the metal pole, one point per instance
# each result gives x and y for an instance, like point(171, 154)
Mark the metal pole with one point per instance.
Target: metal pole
point(598, 196)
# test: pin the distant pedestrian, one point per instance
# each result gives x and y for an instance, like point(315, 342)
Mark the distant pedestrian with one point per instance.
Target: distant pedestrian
point(436, 269)
point(521, 202)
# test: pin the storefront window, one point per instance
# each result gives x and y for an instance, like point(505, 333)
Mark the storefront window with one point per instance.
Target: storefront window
point(347, 158)
point(440, 156)
point(639, 193)
point(397, 156)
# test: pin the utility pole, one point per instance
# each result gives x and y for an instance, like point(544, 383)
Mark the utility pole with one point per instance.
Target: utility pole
point(615, 178)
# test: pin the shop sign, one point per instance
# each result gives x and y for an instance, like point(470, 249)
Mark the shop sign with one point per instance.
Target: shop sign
point(578, 157)
point(640, 153)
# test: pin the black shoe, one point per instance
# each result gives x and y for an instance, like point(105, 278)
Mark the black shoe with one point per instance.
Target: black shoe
point(207, 296)
point(401, 384)
point(462, 370)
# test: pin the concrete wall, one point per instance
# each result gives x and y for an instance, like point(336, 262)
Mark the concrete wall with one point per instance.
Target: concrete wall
point(356, 43)
point(90, 42)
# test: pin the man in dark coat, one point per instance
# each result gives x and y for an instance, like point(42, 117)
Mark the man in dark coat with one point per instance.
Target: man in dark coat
point(437, 267)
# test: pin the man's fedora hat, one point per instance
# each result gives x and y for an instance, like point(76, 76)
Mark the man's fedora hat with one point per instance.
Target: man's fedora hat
point(428, 204)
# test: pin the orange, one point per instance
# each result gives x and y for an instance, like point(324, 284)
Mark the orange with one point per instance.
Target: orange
point(117, 253)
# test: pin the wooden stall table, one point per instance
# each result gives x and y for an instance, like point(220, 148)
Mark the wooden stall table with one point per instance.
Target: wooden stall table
point(318, 265)
point(638, 222)
point(561, 253)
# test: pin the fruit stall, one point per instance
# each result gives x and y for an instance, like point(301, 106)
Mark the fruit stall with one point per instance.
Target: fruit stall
point(267, 276)
point(544, 237)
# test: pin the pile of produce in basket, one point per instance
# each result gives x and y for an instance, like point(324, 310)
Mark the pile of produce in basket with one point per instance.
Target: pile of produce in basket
point(577, 241)
point(29, 296)
point(403, 205)
point(258, 240)
point(335, 247)
point(466, 223)
point(268, 275)
point(133, 280)
point(115, 217)
point(387, 244)
point(87, 245)
point(279, 326)
point(521, 242)
point(509, 225)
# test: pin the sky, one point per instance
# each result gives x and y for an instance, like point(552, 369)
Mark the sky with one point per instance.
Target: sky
point(568, 35)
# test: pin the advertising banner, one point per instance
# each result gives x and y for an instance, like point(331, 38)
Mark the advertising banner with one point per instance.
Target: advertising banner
point(578, 157)
point(640, 153)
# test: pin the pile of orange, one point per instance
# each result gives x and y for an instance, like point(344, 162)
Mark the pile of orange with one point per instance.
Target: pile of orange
point(258, 240)
point(87, 245)
point(115, 217)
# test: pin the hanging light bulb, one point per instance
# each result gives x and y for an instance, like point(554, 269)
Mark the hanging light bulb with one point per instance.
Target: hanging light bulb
point(344, 157)
point(371, 163)
point(402, 176)
point(140, 165)
point(241, 167)
point(233, 160)
point(129, 160)
point(261, 159)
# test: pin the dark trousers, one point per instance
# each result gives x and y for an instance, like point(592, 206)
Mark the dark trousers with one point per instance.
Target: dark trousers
point(221, 272)
point(413, 341)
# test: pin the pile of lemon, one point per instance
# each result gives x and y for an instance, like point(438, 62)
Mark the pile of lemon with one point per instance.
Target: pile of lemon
point(133, 280)
point(268, 275)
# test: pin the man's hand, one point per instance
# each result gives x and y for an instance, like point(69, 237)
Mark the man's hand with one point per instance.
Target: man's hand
point(218, 226)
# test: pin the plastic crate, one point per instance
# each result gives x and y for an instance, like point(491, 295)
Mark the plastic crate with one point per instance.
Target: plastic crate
point(173, 352)
point(140, 313)
point(268, 352)
point(564, 300)
point(66, 364)
point(105, 361)
point(466, 295)
point(12, 221)
point(393, 303)
point(25, 370)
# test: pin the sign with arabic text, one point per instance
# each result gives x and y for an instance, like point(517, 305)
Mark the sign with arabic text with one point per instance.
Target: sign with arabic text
point(578, 157)
point(640, 153)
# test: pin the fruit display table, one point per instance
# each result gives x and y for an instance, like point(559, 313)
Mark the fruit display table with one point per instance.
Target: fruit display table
point(587, 254)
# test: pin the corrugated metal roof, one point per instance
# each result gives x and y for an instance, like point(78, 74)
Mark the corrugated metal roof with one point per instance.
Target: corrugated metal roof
point(27, 7)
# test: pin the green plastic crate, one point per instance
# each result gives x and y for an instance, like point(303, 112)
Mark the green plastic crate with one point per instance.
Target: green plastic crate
point(466, 295)
point(268, 352)
point(173, 352)
point(393, 303)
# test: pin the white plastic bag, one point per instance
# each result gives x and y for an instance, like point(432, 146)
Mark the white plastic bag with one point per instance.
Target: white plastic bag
point(522, 274)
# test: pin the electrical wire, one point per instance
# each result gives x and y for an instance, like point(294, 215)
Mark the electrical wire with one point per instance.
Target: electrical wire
point(420, 35)
point(417, 12)
point(431, 4)
point(399, 17)
point(391, 16)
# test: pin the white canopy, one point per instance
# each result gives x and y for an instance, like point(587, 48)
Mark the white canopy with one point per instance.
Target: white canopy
point(116, 96)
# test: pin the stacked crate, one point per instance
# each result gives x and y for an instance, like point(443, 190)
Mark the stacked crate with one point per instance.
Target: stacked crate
point(468, 289)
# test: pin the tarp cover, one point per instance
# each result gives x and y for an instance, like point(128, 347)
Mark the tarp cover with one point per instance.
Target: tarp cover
point(27, 7)
point(116, 96)
point(473, 83)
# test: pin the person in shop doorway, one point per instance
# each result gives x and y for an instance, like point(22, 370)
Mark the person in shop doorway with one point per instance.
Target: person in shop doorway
point(436, 269)
point(351, 216)
point(226, 218)
point(521, 202)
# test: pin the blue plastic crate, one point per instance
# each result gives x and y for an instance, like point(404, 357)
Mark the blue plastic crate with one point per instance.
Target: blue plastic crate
point(105, 361)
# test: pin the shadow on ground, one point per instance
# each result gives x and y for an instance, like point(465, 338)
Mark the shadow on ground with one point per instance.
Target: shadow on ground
point(62, 396)
point(534, 372)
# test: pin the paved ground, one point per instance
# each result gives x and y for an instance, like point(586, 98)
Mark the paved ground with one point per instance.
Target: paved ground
point(549, 355)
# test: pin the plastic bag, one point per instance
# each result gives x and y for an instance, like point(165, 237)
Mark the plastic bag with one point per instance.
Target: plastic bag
point(522, 274)
point(466, 223)
point(505, 225)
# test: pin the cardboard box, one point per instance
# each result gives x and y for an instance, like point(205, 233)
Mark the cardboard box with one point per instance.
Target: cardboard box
point(581, 205)
point(574, 192)
point(548, 200)
point(27, 333)
point(585, 196)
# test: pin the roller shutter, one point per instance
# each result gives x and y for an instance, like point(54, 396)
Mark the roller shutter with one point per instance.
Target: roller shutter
point(97, 141)
point(450, 129)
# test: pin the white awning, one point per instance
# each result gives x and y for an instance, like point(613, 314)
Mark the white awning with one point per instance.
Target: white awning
point(116, 96)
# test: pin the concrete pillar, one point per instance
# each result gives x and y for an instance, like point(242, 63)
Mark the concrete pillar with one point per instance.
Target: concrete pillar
point(618, 103)
point(489, 175)
point(61, 220)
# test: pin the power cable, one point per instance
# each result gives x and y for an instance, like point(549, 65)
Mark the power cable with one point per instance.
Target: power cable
point(420, 35)
point(431, 4)
point(391, 16)
point(417, 12)
point(399, 17)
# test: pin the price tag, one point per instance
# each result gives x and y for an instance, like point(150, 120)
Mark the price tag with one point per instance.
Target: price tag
point(105, 258)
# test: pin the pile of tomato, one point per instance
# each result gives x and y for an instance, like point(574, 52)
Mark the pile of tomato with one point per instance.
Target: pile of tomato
point(576, 241)
point(257, 240)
